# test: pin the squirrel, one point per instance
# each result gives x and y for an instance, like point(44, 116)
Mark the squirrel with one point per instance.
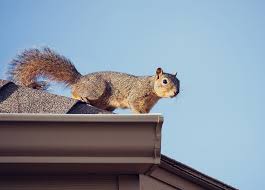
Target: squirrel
point(105, 90)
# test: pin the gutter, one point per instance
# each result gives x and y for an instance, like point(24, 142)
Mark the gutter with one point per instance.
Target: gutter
point(77, 143)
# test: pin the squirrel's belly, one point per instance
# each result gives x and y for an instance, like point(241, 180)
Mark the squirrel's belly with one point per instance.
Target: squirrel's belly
point(120, 103)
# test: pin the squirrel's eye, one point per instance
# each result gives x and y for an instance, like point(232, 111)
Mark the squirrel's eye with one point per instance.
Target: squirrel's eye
point(164, 81)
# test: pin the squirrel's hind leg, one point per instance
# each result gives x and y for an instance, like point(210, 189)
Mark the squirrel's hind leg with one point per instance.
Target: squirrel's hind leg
point(90, 88)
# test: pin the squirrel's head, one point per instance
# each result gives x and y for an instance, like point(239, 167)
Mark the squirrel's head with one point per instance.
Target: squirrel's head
point(166, 85)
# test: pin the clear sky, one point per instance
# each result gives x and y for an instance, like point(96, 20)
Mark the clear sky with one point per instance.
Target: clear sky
point(217, 123)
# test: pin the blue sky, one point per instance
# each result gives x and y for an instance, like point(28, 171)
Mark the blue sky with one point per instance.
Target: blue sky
point(217, 123)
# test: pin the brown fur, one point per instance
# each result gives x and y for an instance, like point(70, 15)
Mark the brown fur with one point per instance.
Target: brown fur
point(34, 63)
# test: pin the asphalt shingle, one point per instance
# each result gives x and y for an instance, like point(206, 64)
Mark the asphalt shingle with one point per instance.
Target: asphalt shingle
point(18, 99)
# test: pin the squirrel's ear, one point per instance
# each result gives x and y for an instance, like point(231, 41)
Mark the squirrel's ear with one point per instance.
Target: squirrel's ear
point(159, 71)
point(176, 74)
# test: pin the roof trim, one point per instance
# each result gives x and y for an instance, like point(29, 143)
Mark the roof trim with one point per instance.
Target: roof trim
point(192, 174)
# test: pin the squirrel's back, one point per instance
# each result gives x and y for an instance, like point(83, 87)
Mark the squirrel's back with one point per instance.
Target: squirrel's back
point(122, 81)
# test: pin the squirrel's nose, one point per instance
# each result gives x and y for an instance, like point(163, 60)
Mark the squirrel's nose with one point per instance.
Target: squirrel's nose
point(176, 92)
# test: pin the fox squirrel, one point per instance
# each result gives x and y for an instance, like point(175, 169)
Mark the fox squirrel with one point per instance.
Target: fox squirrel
point(106, 90)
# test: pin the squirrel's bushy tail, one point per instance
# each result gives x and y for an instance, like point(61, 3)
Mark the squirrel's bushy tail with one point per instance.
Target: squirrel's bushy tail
point(33, 63)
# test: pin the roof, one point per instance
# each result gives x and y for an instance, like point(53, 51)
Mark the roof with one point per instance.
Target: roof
point(189, 173)
point(19, 99)
point(53, 109)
